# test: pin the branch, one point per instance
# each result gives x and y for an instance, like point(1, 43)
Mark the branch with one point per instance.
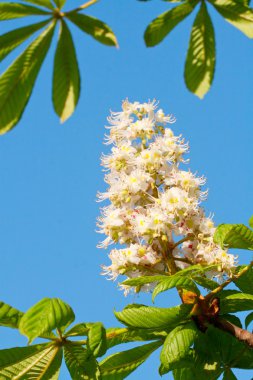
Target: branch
point(241, 334)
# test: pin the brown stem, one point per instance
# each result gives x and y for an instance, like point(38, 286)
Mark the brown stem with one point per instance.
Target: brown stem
point(241, 334)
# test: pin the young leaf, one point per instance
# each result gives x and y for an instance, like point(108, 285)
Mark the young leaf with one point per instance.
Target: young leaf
point(66, 78)
point(94, 27)
point(245, 281)
point(205, 282)
point(200, 61)
point(137, 281)
point(118, 335)
point(160, 27)
point(172, 282)
point(237, 14)
point(9, 316)
point(234, 235)
point(248, 319)
point(45, 316)
point(118, 366)
point(153, 317)
point(177, 344)
point(35, 362)
point(9, 11)
point(41, 3)
point(80, 329)
point(17, 82)
point(81, 366)
point(97, 339)
point(236, 302)
point(9, 41)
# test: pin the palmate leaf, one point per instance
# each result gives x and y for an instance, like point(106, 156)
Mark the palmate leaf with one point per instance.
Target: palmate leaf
point(248, 319)
point(234, 236)
point(175, 281)
point(153, 317)
point(45, 316)
point(10, 11)
point(94, 27)
point(236, 302)
point(196, 373)
point(237, 14)
point(9, 316)
point(200, 61)
point(118, 366)
point(16, 83)
point(41, 3)
point(245, 281)
point(177, 344)
point(229, 375)
point(160, 27)
point(36, 362)
point(66, 77)
point(97, 339)
point(9, 41)
point(81, 365)
point(79, 329)
point(118, 335)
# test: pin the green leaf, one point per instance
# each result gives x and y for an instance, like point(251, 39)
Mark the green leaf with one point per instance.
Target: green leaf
point(233, 319)
point(9, 41)
point(251, 221)
point(160, 27)
point(153, 317)
point(97, 339)
point(60, 3)
point(45, 316)
point(200, 60)
point(234, 235)
point(177, 344)
point(66, 78)
point(9, 316)
point(41, 3)
point(137, 281)
point(94, 27)
point(81, 366)
point(172, 282)
point(236, 302)
point(118, 335)
point(16, 83)
point(41, 361)
point(9, 11)
point(205, 282)
point(228, 375)
point(79, 329)
point(118, 366)
point(196, 373)
point(248, 319)
point(237, 14)
point(245, 282)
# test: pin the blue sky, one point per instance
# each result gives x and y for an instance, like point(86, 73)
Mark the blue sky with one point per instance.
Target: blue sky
point(50, 173)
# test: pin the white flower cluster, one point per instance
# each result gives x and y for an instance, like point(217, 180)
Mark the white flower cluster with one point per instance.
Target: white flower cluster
point(154, 207)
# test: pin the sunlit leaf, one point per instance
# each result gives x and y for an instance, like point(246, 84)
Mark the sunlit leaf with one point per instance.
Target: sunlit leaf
point(79, 329)
point(45, 316)
point(200, 61)
point(60, 3)
point(66, 78)
point(236, 14)
point(251, 221)
point(94, 27)
point(42, 3)
point(160, 27)
point(118, 366)
point(9, 11)
point(97, 339)
point(245, 281)
point(172, 282)
point(9, 41)
point(81, 365)
point(153, 317)
point(177, 344)
point(234, 235)
point(16, 83)
point(9, 316)
point(118, 335)
point(236, 302)
point(41, 361)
